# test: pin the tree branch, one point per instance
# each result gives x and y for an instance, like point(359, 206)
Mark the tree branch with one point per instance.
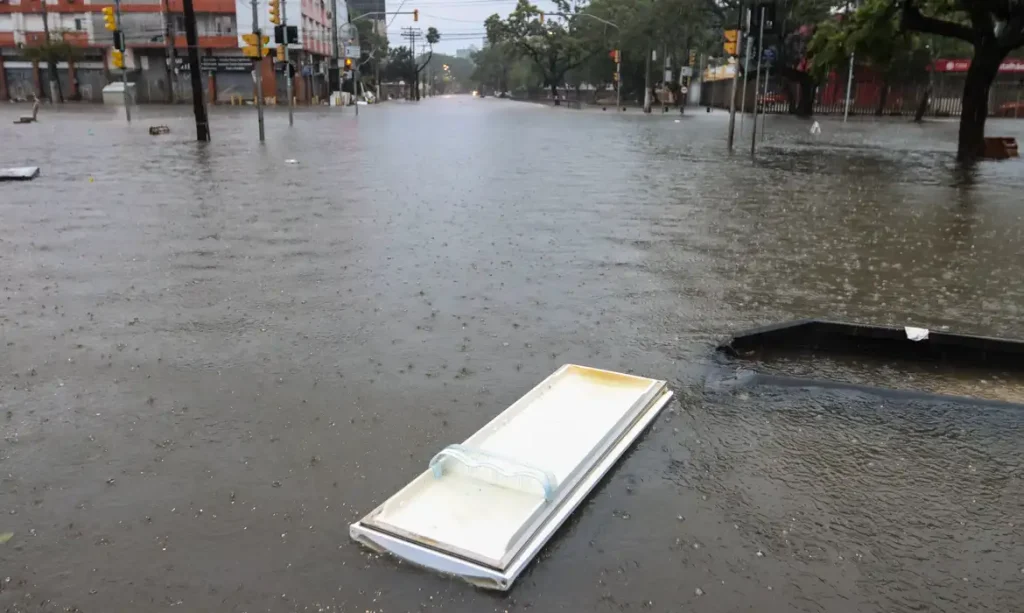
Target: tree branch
point(912, 19)
point(537, 56)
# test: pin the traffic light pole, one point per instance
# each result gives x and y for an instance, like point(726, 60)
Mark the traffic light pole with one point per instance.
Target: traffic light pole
point(124, 69)
point(735, 77)
point(287, 66)
point(257, 68)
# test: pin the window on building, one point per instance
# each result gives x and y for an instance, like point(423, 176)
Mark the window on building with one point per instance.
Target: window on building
point(79, 26)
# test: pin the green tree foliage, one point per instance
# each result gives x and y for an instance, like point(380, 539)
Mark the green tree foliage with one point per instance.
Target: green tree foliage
point(795, 21)
point(400, 65)
point(993, 28)
point(53, 50)
point(555, 45)
point(872, 35)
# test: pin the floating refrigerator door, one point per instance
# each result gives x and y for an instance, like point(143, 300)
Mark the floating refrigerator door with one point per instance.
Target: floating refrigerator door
point(484, 508)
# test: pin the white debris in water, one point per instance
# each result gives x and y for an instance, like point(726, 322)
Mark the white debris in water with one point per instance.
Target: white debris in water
point(916, 334)
point(291, 161)
point(815, 128)
point(698, 592)
point(760, 554)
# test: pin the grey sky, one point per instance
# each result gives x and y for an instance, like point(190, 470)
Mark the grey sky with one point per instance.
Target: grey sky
point(460, 22)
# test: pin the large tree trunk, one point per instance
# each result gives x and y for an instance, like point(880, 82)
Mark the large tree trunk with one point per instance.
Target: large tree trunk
point(554, 94)
point(883, 97)
point(974, 108)
point(805, 100)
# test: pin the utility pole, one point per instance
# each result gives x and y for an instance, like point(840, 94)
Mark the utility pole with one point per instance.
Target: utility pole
point(411, 34)
point(334, 83)
point(124, 69)
point(198, 104)
point(169, 55)
point(757, 81)
point(287, 65)
point(256, 66)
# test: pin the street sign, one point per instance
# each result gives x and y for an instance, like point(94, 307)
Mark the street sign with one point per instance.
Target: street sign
point(252, 38)
point(684, 90)
point(254, 52)
point(352, 51)
point(769, 55)
point(685, 71)
point(668, 75)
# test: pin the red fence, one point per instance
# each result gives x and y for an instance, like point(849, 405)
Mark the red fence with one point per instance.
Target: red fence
point(870, 95)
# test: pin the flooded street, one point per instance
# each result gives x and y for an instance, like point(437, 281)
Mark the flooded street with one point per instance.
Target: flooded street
point(216, 360)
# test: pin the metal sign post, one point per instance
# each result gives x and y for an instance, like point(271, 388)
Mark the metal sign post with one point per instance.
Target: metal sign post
point(746, 70)
point(757, 81)
point(349, 35)
point(770, 57)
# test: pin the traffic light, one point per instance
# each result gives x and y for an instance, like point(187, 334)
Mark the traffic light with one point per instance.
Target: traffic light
point(616, 55)
point(275, 11)
point(255, 44)
point(731, 37)
point(109, 20)
point(348, 63)
point(117, 58)
point(693, 58)
point(415, 14)
point(280, 53)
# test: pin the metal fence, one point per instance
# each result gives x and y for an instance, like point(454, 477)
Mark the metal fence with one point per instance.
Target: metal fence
point(871, 97)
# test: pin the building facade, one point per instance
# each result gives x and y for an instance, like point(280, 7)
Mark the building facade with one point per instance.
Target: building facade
point(156, 52)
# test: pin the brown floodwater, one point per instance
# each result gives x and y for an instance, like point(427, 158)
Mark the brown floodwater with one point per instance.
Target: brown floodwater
point(216, 360)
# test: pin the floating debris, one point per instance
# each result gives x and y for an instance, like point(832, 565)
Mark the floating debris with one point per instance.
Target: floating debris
point(5, 536)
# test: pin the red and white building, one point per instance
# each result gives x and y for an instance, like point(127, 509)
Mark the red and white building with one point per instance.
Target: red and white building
point(145, 23)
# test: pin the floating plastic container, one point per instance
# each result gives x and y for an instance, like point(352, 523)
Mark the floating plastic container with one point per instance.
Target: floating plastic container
point(483, 509)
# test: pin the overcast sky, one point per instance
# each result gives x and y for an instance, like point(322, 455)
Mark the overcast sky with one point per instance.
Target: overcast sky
point(460, 22)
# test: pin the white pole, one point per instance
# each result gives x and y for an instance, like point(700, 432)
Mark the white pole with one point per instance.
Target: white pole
point(849, 84)
point(764, 114)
